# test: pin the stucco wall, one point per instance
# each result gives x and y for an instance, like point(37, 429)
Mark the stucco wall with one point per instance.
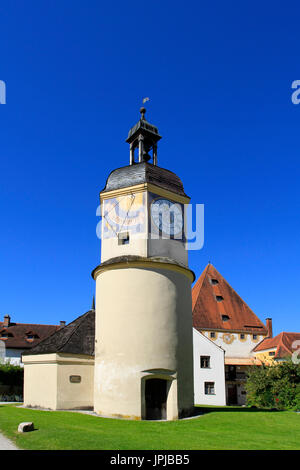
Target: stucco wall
point(13, 356)
point(40, 381)
point(71, 395)
point(143, 328)
point(47, 381)
point(215, 373)
point(233, 345)
point(265, 357)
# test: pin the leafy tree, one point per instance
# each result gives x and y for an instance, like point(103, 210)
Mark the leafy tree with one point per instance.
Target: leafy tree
point(274, 386)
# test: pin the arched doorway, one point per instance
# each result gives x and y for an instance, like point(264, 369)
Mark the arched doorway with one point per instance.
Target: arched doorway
point(156, 398)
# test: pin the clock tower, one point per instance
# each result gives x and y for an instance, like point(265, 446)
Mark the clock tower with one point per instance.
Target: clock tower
point(143, 341)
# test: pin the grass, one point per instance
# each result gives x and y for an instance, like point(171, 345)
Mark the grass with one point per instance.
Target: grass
point(218, 428)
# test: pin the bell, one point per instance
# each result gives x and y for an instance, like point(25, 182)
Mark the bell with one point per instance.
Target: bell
point(146, 157)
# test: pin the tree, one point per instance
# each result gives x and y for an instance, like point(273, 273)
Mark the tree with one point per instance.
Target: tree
point(275, 386)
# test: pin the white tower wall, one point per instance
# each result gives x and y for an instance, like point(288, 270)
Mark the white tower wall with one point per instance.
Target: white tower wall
point(143, 330)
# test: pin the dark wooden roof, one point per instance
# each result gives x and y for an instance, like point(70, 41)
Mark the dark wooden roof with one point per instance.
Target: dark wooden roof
point(217, 306)
point(17, 334)
point(78, 337)
point(144, 172)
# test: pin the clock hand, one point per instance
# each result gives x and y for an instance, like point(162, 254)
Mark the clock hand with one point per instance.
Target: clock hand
point(132, 199)
point(106, 214)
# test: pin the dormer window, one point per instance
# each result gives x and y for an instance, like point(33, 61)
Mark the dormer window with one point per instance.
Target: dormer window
point(4, 334)
point(31, 336)
point(219, 298)
point(225, 318)
point(214, 281)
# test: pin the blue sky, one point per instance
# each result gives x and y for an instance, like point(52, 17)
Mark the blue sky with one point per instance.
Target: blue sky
point(219, 78)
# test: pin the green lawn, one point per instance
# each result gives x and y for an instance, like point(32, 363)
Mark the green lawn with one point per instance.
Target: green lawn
point(217, 428)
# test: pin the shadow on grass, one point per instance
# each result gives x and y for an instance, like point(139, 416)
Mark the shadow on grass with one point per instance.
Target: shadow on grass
point(198, 410)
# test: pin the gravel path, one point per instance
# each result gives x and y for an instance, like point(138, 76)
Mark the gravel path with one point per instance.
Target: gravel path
point(6, 444)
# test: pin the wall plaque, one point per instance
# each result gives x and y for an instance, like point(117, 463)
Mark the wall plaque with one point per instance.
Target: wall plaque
point(75, 379)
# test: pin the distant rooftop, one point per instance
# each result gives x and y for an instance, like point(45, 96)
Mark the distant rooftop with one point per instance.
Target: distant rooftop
point(24, 335)
point(78, 337)
point(283, 343)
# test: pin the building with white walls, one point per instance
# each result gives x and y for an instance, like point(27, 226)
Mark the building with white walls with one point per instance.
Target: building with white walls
point(209, 371)
point(225, 319)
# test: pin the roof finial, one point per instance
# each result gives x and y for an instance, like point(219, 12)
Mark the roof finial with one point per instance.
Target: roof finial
point(142, 111)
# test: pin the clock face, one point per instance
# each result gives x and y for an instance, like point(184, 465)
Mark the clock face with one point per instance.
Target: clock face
point(167, 217)
point(124, 213)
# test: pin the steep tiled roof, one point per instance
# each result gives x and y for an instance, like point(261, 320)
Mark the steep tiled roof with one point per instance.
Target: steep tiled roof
point(213, 299)
point(78, 337)
point(282, 342)
point(17, 334)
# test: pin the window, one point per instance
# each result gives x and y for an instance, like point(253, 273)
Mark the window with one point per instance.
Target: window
point(272, 353)
point(212, 334)
point(31, 335)
point(214, 281)
point(254, 336)
point(219, 298)
point(123, 238)
point(4, 334)
point(242, 336)
point(205, 362)
point(209, 388)
point(225, 318)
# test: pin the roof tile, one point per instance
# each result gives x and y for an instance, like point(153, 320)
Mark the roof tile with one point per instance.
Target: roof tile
point(208, 311)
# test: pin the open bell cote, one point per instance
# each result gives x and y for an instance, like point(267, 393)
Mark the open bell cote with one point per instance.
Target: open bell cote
point(143, 138)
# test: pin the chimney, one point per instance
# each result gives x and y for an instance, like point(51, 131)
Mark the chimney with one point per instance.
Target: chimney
point(269, 328)
point(6, 320)
point(62, 323)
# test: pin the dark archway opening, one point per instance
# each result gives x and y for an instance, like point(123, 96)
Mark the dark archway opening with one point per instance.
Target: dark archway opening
point(156, 398)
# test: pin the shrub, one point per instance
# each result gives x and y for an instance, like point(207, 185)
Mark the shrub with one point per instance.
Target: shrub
point(11, 375)
point(276, 386)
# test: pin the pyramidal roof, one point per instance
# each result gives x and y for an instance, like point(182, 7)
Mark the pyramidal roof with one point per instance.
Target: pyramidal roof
point(77, 337)
point(217, 306)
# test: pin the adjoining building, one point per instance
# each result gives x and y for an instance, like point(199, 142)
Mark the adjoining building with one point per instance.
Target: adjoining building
point(280, 348)
point(225, 319)
point(209, 371)
point(59, 372)
point(15, 338)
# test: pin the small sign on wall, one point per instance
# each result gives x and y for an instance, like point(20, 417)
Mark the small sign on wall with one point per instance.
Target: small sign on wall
point(75, 379)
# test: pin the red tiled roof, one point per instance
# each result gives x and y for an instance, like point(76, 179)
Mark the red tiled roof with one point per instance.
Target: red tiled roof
point(208, 311)
point(17, 333)
point(282, 342)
